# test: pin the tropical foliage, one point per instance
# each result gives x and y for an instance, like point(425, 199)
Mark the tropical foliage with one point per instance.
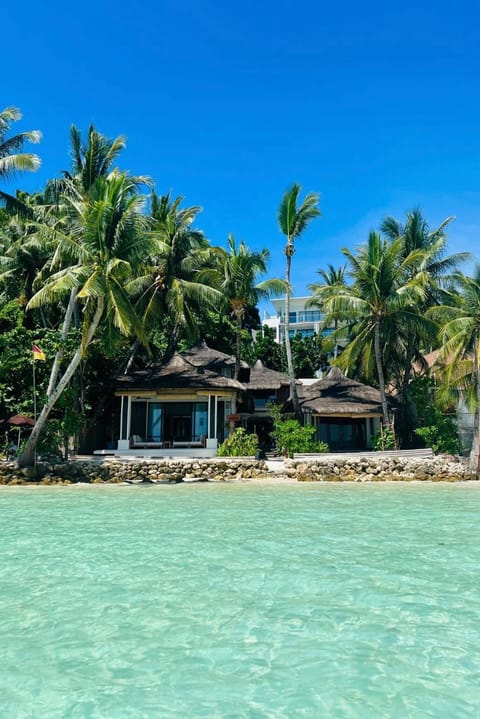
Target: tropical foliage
point(105, 273)
point(459, 356)
point(12, 159)
point(239, 444)
point(290, 436)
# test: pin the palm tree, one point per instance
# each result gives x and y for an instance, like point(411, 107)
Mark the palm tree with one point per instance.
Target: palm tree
point(102, 250)
point(293, 221)
point(170, 287)
point(92, 159)
point(417, 235)
point(11, 159)
point(460, 352)
point(381, 298)
point(24, 252)
point(333, 278)
point(235, 275)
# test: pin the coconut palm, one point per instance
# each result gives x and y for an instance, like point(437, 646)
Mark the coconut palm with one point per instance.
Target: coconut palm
point(333, 278)
point(293, 221)
point(380, 299)
point(417, 235)
point(102, 250)
point(170, 288)
point(235, 275)
point(11, 159)
point(460, 351)
point(24, 253)
point(92, 159)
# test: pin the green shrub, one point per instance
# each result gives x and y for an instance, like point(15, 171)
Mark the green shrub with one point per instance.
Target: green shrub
point(385, 439)
point(441, 437)
point(239, 444)
point(435, 415)
point(291, 437)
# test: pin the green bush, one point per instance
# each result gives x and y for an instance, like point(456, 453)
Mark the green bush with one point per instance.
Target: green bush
point(438, 427)
point(385, 439)
point(239, 444)
point(291, 437)
point(441, 437)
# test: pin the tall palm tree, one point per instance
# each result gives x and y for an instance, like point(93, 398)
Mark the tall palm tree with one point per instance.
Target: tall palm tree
point(380, 299)
point(460, 351)
point(102, 250)
point(24, 252)
point(417, 235)
point(293, 221)
point(11, 159)
point(94, 158)
point(170, 287)
point(235, 275)
point(333, 278)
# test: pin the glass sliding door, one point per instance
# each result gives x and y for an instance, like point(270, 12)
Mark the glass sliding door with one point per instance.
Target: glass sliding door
point(138, 419)
point(200, 415)
point(155, 429)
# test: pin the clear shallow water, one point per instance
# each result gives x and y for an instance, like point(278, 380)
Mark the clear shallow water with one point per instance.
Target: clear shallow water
point(239, 601)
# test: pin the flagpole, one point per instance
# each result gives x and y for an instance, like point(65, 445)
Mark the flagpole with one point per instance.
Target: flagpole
point(37, 354)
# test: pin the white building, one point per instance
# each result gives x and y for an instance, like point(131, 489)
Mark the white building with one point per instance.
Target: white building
point(303, 321)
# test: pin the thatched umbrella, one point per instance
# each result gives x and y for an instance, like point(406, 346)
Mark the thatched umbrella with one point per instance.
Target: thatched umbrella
point(18, 420)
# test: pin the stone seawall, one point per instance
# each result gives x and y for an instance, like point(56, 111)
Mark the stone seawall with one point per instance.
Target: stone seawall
point(381, 469)
point(321, 469)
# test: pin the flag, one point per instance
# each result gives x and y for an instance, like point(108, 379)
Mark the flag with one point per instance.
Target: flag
point(38, 354)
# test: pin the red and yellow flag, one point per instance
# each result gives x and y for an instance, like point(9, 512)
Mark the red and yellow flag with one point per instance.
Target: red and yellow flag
point(38, 354)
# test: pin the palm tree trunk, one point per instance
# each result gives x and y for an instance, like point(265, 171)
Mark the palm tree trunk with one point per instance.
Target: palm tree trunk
point(381, 376)
point(236, 374)
point(404, 428)
point(475, 451)
point(27, 457)
point(335, 349)
point(131, 357)
point(288, 348)
point(67, 320)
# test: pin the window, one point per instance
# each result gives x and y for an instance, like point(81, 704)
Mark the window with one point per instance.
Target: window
point(303, 333)
point(169, 421)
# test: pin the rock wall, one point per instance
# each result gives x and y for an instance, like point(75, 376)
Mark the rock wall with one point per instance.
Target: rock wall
point(321, 469)
point(114, 471)
point(381, 469)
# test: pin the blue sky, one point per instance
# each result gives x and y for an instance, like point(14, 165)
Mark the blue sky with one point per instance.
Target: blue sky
point(374, 105)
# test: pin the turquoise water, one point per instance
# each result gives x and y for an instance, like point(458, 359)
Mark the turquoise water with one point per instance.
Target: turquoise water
point(231, 601)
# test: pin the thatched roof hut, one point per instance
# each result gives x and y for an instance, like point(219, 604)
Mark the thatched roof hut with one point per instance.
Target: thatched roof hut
point(337, 395)
point(201, 355)
point(263, 378)
point(178, 373)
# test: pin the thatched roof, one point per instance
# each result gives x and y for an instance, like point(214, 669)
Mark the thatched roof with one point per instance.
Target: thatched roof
point(263, 378)
point(340, 395)
point(177, 373)
point(201, 355)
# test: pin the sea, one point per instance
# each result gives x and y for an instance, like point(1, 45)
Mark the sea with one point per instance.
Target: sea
point(240, 600)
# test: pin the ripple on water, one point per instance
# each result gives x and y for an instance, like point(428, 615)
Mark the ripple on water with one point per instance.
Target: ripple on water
point(240, 601)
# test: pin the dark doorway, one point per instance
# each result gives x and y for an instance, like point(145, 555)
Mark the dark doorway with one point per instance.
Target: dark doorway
point(342, 433)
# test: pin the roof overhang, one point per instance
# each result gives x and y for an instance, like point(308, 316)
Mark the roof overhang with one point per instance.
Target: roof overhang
point(347, 415)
